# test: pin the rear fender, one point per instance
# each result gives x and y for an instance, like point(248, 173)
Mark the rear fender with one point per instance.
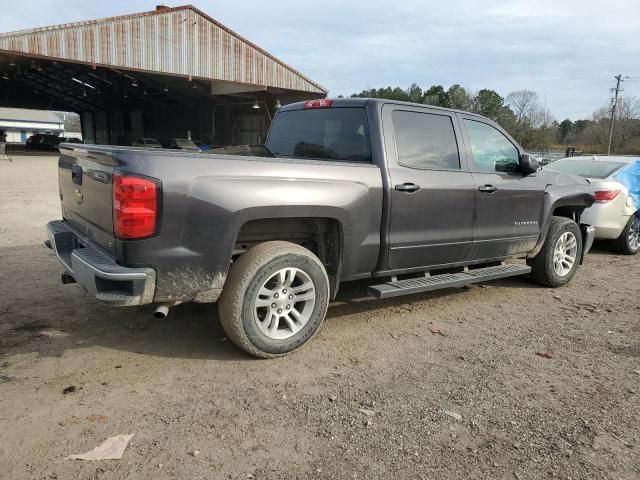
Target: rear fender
point(219, 207)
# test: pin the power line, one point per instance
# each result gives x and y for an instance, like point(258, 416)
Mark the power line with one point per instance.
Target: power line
point(574, 87)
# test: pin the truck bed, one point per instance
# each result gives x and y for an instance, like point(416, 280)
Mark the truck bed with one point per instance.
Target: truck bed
point(204, 202)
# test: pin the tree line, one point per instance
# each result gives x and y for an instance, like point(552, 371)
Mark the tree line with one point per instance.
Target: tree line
point(522, 114)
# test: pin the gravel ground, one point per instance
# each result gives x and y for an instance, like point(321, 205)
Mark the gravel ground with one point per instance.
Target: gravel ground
point(434, 386)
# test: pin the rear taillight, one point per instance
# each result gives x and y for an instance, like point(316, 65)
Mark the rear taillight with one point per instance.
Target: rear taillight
point(604, 196)
point(135, 206)
point(322, 103)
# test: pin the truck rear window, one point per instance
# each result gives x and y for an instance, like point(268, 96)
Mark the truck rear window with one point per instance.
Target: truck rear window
point(326, 133)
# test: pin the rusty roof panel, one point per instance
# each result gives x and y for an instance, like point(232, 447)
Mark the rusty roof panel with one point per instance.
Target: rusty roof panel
point(179, 41)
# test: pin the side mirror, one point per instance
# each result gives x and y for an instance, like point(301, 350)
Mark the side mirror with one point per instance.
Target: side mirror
point(528, 164)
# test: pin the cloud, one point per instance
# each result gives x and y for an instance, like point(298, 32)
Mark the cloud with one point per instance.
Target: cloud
point(565, 50)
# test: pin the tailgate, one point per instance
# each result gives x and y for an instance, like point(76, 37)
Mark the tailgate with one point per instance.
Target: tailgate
point(85, 181)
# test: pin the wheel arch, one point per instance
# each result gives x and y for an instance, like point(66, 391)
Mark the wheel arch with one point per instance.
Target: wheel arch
point(562, 201)
point(322, 235)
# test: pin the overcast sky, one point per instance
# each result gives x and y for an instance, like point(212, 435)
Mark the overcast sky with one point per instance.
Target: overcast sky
point(566, 50)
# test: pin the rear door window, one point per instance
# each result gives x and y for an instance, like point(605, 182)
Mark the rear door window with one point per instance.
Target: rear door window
point(425, 141)
point(325, 133)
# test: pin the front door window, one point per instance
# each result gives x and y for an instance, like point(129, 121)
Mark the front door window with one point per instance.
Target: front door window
point(492, 151)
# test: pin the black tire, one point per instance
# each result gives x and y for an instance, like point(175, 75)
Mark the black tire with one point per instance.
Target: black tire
point(624, 243)
point(542, 265)
point(246, 277)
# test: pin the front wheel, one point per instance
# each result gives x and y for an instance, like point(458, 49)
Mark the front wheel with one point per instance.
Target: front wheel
point(628, 243)
point(557, 262)
point(275, 299)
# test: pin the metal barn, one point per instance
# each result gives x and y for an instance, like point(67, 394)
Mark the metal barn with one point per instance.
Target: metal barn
point(170, 72)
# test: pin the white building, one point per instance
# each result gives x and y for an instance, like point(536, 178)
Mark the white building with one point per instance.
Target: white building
point(20, 123)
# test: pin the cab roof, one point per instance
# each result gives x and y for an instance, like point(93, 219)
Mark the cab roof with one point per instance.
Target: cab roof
point(368, 102)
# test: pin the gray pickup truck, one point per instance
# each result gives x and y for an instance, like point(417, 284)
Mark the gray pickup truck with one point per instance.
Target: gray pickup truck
point(416, 196)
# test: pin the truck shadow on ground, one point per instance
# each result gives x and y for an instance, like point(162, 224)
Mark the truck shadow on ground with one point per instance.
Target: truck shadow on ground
point(71, 320)
point(38, 314)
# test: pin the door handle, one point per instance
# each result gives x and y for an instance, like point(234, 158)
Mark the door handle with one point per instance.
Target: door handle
point(488, 189)
point(407, 187)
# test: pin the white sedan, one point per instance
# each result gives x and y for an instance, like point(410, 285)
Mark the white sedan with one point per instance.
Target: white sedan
point(616, 182)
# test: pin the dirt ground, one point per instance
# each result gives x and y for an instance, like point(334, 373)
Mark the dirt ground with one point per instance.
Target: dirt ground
point(375, 395)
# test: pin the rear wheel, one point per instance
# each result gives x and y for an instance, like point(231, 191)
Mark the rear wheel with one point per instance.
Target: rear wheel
point(557, 262)
point(628, 243)
point(275, 299)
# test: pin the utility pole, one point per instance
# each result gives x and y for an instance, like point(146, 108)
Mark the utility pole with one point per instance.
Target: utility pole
point(613, 109)
point(544, 127)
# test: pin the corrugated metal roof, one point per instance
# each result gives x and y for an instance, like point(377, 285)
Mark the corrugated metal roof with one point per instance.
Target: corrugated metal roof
point(26, 115)
point(180, 41)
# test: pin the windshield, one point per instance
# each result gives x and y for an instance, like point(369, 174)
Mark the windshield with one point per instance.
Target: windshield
point(323, 133)
point(585, 168)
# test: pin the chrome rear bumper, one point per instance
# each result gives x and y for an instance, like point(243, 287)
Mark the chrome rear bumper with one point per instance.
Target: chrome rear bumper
point(98, 272)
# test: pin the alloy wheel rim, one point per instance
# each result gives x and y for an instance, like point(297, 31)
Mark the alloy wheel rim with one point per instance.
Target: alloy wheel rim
point(284, 303)
point(634, 233)
point(565, 253)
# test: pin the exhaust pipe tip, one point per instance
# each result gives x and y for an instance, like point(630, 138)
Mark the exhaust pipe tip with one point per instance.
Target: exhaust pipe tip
point(161, 312)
